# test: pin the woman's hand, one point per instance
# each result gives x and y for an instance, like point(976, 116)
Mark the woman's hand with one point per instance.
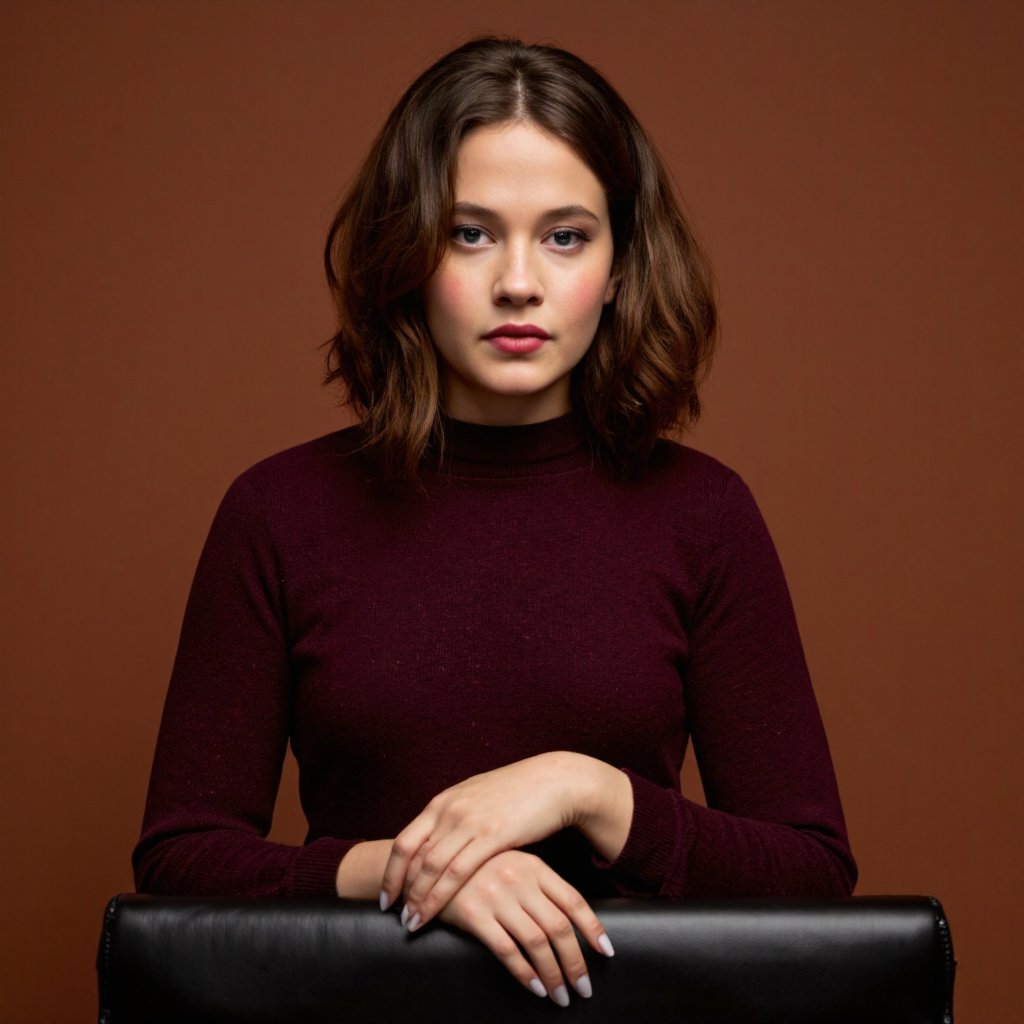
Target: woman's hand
point(516, 898)
point(521, 803)
point(466, 825)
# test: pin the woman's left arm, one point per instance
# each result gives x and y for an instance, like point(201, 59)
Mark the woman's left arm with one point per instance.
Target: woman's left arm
point(773, 825)
point(507, 808)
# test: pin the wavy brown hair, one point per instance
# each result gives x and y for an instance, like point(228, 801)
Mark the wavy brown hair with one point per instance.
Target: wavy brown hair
point(641, 375)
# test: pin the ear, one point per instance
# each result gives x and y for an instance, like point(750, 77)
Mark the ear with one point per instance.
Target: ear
point(612, 287)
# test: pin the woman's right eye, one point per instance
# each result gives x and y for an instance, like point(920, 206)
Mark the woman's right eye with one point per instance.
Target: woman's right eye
point(470, 235)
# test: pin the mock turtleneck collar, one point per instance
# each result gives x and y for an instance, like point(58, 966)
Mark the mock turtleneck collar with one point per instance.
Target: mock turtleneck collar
point(553, 446)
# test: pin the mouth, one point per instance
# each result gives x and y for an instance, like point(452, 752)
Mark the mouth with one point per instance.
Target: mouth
point(518, 331)
point(517, 339)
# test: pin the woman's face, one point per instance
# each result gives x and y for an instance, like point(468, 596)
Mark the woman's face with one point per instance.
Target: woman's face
point(530, 246)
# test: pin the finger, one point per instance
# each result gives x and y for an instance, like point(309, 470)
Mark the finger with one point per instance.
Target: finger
point(403, 850)
point(429, 864)
point(497, 939)
point(576, 908)
point(415, 866)
point(410, 874)
point(436, 855)
point(443, 871)
point(536, 943)
point(559, 931)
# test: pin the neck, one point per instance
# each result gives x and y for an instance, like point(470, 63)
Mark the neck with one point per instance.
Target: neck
point(520, 449)
point(507, 410)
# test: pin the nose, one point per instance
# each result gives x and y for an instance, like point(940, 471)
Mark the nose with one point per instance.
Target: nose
point(518, 281)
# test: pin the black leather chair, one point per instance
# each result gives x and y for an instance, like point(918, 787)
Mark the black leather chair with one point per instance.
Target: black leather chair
point(883, 960)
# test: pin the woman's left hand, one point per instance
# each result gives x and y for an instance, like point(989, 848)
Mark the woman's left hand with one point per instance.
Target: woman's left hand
point(465, 825)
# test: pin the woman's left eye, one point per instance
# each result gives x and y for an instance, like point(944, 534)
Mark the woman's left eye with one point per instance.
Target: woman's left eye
point(565, 238)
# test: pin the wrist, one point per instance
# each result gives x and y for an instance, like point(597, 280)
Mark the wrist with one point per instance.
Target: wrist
point(580, 777)
point(604, 811)
point(361, 871)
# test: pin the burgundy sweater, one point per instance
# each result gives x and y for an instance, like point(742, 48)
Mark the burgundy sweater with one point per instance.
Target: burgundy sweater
point(526, 602)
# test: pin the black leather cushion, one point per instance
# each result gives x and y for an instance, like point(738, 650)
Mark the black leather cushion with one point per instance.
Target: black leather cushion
point(883, 960)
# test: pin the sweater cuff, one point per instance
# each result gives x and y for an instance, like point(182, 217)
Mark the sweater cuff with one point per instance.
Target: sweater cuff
point(646, 864)
point(314, 870)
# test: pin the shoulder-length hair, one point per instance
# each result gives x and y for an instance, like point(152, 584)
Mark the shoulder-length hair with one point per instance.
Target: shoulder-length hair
point(640, 376)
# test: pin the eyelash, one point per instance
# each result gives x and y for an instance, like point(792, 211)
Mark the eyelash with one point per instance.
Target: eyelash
point(579, 236)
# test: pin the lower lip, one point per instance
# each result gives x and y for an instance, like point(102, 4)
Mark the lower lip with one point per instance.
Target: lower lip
point(517, 346)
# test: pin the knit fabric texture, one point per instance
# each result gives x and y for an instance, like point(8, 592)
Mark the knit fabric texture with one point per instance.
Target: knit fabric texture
point(524, 601)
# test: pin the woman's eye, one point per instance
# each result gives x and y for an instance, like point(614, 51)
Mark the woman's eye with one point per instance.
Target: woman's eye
point(470, 236)
point(563, 238)
point(566, 238)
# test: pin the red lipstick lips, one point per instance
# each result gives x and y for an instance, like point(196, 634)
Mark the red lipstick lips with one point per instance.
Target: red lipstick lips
point(518, 331)
point(517, 339)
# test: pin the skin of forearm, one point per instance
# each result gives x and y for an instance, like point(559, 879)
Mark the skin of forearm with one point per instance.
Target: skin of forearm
point(604, 805)
point(361, 870)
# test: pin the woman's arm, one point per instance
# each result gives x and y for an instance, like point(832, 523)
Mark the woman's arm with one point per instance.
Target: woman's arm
point(513, 895)
point(224, 731)
point(773, 823)
point(506, 808)
point(361, 870)
point(224, 734)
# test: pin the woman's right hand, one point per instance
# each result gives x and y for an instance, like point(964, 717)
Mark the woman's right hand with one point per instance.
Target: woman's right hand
point(516, 900)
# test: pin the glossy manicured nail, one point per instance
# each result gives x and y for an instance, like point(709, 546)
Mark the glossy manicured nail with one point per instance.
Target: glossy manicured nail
point(606, 945)
point(561, 995)
point(384, 901)
point(414, 922)
point(537, 988)
point(405, 915)
point(583, 986)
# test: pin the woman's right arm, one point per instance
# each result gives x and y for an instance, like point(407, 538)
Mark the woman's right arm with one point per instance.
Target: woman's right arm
point(224, 730)
point(221, 746)
point(361, 870)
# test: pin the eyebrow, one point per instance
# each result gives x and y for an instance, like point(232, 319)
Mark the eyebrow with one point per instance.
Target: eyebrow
point(573, 210)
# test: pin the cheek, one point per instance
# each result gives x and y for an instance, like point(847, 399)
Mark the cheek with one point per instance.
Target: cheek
point(584, 298)
point(447, 298)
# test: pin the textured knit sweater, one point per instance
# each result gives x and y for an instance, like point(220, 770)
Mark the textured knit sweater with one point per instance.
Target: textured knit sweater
point(527, 601)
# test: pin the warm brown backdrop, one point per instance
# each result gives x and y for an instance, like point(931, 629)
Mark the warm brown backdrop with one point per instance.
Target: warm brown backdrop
point(168, 173)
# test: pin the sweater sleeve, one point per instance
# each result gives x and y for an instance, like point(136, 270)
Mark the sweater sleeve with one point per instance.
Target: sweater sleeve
point(773, 824)
point(224, 730)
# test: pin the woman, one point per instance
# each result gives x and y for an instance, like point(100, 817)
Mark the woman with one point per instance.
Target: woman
point(490, 617)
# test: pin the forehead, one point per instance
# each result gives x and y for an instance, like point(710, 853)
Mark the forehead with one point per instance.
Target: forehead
point(520, 167)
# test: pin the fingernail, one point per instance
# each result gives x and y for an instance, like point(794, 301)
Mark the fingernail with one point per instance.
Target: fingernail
point(537, 988)
point(606, 945)
point(384, 901)
point(583, 986)
point(405, 915)
point(561, 995)
point(414, 922)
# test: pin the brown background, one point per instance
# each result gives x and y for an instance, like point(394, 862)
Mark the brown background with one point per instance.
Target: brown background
point(169, 170)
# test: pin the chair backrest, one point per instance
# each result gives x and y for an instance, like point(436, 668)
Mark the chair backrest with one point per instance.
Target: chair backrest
point(884, 960)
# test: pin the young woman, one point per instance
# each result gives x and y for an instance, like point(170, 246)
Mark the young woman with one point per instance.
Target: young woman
point(490, 617)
